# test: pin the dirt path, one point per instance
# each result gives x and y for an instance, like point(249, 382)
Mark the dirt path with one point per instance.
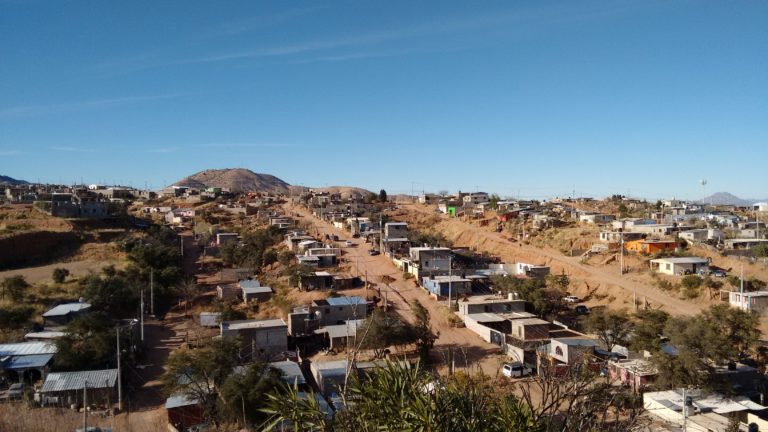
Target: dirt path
point(484, 239)
point(470, 351)
point(145, 407)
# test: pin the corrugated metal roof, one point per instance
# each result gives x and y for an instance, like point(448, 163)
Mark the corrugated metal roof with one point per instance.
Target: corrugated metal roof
point(177, 401)
point(27, 361)
point(246, 324)
point(343, 301)
point(291, 372)
point(27, 348)
point(248, 283)
point(45, 334)
point(65, 381)
point(257, 290)
point(67, 308)
point(210, 319)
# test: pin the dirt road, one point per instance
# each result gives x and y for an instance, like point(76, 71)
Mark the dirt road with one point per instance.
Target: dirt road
point(470, 351)
point(487, 240)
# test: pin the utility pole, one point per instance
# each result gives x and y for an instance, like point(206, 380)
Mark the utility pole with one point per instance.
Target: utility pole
point(181, 242)
point(141, 314)
point(450, 278)
point(685, 412)
point(621, 255)
point(85, 406)
point(151, 292)
point(366, 285)
point(119, 378)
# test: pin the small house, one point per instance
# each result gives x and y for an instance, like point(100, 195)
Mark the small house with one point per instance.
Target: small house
point(316, 281)
point(262, 339)
point(650, 246)
point(66, 388)
point(680, 266)
point(63, 314)
point(749, 301)
point(253, 291)
point(440, 286)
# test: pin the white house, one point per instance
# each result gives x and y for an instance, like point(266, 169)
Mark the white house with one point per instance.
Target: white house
point(680, 266)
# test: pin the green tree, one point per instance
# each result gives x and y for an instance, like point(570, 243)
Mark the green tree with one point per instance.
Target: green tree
point(286, 258)
point(15, 317)
point(718, 335)
point(623, 210)
point(611, 327)
point(112, 293)
point(243, 393)
point(494, 200)
point(760, 250)
point(382, 196)
point(59, 275)
point(382, 330)
point(199, 373)
point(648, 330)
point(89, 343)
point(425, 336)
point(14, 287)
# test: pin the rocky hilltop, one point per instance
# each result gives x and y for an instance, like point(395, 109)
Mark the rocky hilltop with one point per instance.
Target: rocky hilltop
point(235, 179)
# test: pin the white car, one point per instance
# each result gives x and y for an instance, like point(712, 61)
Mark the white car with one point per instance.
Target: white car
point(348, 243)
point(571, 299)
point(515, 370)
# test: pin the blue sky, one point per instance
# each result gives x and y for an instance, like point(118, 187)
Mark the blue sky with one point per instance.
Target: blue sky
point(516, 97)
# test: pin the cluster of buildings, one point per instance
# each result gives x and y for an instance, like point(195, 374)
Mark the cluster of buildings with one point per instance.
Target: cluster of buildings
point(88, 202)
point(32, 361)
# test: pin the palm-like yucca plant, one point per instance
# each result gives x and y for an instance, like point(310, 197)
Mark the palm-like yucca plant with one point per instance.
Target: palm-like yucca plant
point(399, 397)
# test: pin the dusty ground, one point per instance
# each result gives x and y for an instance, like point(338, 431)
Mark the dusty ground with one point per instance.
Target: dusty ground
point(23, 218)
point(471, 352)
point(605, 280)
point(43, 273)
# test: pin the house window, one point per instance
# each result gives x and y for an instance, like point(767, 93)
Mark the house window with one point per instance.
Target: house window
point(669, 266)
point(558, 351)
point(341, 309)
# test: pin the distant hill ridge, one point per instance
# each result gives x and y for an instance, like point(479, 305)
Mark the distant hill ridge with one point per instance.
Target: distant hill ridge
point(245, 180)
point(235, 179)
point(725, 198)
point(11, 181)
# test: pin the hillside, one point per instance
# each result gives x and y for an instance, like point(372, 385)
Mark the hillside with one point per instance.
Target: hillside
point(235, 179)
point(725, 198)
point(11, 181)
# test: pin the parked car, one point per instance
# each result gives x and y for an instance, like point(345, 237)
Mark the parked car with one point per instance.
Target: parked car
point(348, 243)
point(373, 252)
point(335, 237)
point(571, 299)
point(515, 370)
point(582, 310)
point(718, 273)
point(356, 235)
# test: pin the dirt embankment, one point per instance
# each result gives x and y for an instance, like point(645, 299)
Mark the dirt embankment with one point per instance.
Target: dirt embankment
point(39, 247)
point(598, 284)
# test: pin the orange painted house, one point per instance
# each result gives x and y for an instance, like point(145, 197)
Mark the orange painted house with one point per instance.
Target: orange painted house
point(650, 246)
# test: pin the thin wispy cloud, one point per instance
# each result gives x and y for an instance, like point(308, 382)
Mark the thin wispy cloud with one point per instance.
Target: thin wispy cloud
point(514, 21)
point(9, 152)
point(163, 150)
point(250, 145)
point(264, 21)
point(58, 108)
point(71, 149)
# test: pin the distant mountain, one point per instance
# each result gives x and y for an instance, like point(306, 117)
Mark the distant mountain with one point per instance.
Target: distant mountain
point(11, 181)
point(725, 198)
point(235, 179)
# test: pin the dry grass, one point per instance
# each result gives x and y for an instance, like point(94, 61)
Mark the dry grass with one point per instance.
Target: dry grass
point(19, 417)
